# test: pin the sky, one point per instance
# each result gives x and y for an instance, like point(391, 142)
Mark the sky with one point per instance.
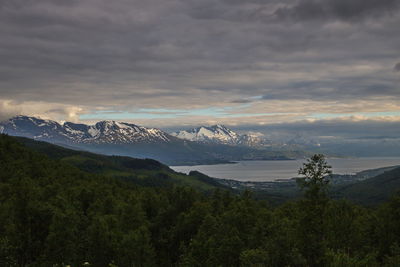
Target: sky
point(251, 65)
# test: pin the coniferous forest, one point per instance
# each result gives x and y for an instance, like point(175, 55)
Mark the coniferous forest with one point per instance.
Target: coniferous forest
point(55, 214)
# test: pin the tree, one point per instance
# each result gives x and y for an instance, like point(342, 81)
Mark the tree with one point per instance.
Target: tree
point(312, 233)
point(316, 174)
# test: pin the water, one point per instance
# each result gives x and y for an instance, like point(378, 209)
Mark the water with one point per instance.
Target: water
point(270, 170)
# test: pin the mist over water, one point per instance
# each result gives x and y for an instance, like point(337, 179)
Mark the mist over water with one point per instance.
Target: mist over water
point(270, 170)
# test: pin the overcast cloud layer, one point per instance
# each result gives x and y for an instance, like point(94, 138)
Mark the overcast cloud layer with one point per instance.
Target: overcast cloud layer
point(185, 62)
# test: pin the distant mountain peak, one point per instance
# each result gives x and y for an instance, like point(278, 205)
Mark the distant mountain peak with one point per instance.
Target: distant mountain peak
point(221, 134)
point(209, 134)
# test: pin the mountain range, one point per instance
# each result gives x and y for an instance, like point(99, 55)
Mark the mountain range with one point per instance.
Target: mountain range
point(203, 145)
point(103, 132)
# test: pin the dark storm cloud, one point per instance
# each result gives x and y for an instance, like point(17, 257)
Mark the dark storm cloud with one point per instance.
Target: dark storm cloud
point(337, 9)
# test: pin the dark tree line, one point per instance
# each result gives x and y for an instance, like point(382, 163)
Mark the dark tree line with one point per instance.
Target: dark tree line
point(52, 214)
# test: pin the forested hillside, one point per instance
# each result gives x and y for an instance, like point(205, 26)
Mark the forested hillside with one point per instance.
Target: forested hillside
point(55, 214)
point(145, 172)
point(372, 190)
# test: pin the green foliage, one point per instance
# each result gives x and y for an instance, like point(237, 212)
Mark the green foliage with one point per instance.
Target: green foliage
point(339, 259)
point(316, 174)
point(254, 258)
point(54, 213)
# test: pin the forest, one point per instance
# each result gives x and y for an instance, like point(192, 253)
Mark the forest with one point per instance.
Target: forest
point(53, 213)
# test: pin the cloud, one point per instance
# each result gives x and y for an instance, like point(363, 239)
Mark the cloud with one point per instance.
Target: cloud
point(242, 101)
point(45, 110)
point(344, 88)
point(65, 59)
point(8, 109)
point(397, 67)
point(337, 9)
point(332, 129)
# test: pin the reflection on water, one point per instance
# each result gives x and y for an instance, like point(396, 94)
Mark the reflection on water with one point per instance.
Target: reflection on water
point(269, 170)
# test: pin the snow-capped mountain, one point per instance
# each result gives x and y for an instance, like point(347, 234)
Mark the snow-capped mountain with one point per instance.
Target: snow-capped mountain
point(219, 134)
point(213, 134)
point(103, 132)
point(115, 132)
point(254, 139)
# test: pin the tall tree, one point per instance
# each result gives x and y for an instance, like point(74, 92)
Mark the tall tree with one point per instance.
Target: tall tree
point(314, 183)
